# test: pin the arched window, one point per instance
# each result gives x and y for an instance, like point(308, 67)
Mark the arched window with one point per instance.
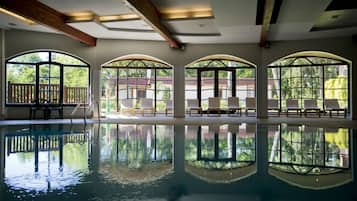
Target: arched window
point(309, 75)
point(219, 76)
point(127, 80)
point(46, 76)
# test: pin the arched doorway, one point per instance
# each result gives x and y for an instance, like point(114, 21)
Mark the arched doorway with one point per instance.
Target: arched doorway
point(310, 75)
point(132, 78)
point(221, 76)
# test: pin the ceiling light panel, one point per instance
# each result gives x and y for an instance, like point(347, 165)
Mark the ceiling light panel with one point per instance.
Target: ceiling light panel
point(107, 7)
point(99, 31)
point(167, 6)
point(131, 24)
point(199, 26)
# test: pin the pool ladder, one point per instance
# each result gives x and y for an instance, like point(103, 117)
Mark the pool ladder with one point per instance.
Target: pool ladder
point(86, 110)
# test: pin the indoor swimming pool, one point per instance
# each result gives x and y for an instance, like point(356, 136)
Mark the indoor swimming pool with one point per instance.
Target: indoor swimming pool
point(243, 161)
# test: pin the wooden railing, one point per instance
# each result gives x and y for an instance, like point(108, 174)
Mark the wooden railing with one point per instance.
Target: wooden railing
point(25, 93)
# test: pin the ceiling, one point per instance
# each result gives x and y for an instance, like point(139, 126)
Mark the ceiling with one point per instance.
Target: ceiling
point(204, 21)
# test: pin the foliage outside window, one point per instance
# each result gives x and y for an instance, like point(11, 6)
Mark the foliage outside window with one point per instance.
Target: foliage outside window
point(309, 78)
point(134, 79)
point(214, 76)
point(308, 150)
point(215, 149)
point(136, 145)
point(46, 76)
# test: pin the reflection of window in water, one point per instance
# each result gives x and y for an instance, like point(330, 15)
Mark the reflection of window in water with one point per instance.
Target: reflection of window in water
point(44, 160)
point(219, 149)
point(135, 153)
point(305, 150)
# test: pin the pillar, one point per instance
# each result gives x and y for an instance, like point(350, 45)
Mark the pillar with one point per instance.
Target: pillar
point(2, 156)
point(179, 150)
point(354, 154)
point(2, 161)
point(262, 149)
point(179, 91)
point(353, 90)
point(261, 91)
point(95, 148)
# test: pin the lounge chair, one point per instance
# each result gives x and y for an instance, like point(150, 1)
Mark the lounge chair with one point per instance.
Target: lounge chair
point(169, 106)
point(126, 105)
point(214, 105)
point(311, 105)
point(147, 105)
point(273, 104)
point(293, 104)
point(233, 106)
point(250, 104)
point(192, 105)
point(332, 105)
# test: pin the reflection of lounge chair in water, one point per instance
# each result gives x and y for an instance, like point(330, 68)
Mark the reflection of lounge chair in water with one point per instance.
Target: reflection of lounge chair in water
point(233, 128)
point(214, 128)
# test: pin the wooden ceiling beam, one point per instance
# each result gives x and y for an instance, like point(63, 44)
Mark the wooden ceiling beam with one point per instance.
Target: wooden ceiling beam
point(148, 12)
point(268, 12)
point(42, 14)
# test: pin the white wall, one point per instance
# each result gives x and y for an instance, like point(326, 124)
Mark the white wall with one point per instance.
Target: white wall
point(19, 41)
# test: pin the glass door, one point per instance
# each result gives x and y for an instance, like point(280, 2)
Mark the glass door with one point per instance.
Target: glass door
point(207, 87)
point(216, 83)
point(226, 86)
point(49, 87)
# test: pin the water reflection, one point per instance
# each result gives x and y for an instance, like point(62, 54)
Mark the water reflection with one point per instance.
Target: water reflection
point(176, 162)
point(44, 159)
point(134, 154)
point(310, 157)
point(220, 153)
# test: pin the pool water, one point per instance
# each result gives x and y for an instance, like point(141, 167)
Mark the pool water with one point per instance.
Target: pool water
point(242, 161)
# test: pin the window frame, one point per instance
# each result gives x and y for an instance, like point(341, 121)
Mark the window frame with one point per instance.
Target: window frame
point(36, 66)
point(224, 68)
point(154, 68)
point(322, 66)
